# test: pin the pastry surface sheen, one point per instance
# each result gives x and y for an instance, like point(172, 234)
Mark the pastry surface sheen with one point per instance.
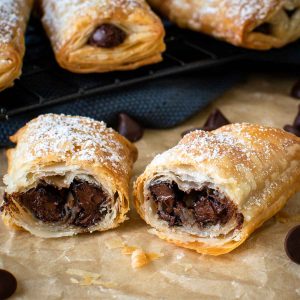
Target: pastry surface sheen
point(103, 35)
point(213, 189)
point(67, 175)
point(255, 24)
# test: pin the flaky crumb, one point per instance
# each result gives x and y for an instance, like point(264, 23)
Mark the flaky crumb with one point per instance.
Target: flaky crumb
point(139, 259)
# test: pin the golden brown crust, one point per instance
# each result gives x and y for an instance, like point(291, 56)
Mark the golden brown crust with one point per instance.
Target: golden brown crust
point(258, 168)
point(57, 147)
point(69, 26)
point(13, 20)
point(238, 22)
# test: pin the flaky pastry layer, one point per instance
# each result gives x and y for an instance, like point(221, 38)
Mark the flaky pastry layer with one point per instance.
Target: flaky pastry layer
point(70, 24)
point(261, 25)
point(213, 189)
point(14, 15)
point(59, 169)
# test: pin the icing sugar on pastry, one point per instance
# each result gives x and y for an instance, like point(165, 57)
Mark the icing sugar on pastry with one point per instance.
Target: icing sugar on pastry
point(75, 137)
point(9, 18)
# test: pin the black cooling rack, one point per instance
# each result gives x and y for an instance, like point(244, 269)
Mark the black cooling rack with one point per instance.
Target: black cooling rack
point(44, 83)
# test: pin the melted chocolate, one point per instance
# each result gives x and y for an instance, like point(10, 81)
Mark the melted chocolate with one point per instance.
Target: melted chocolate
point(8, 284)
point(50, 204)
point(89, 201)
point(107, 36)
point(205, 207)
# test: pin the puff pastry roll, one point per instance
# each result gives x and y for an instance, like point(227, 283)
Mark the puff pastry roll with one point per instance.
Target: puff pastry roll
point(67, 175)
point(14, 15)
point(103, 35)
point(213, 189)
point(256, 24)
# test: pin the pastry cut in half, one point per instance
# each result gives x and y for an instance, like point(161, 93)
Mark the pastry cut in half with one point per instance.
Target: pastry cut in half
point(213, 189)
point(67, 175)
point(14, 15)
point(103, 35)
point(255, 24)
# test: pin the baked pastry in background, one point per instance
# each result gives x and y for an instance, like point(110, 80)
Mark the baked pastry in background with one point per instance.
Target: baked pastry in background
point(213, 189)
point(14, 15)
point(67, 175)
point(255, 24)
point(103, 35)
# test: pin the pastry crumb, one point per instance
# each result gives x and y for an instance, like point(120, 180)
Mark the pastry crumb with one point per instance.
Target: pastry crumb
point(139, 259)
point(128, 250)
point(88, 278)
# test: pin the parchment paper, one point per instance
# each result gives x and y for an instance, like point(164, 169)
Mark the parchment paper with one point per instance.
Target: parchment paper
point(93, 266)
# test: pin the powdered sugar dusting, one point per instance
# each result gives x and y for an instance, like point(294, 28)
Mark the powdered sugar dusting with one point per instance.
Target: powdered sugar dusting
point(10, 17)
point(78, 138)
point(61, 16)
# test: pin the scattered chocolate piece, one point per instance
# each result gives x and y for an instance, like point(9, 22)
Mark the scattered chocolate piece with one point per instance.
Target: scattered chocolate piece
point(107, 36)
point(129, 128)
point(295, 128)
point(8, 284)
point(215, 120)
point(295, 91)
point(292, 244)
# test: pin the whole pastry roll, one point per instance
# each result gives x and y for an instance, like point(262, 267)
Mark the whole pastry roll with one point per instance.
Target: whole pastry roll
point(256, 24)
point(213, 189)
point(103, 35)
point(67, 175)
point(14, 15)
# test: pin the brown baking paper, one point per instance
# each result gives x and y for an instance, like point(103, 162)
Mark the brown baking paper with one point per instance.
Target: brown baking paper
point(100, 265)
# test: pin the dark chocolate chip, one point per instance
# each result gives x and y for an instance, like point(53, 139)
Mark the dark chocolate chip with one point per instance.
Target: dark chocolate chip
point(107, 36)
point(215, 120)
point(292, 129)
point(129, 128)
point(292, 244)
point(8, 284)
point(295, 91)
point(295, 128)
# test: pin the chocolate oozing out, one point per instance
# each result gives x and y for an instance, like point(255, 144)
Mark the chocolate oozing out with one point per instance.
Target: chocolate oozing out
point(205, 207)
point(107, 36)
point(295, 91)
point(295, 128)
point(50, 204)
point(265, 28)
point(292, 244)
point(8, 284)
point(90, 200)
point(46, 202)
point(214, 121)
point(129, 128)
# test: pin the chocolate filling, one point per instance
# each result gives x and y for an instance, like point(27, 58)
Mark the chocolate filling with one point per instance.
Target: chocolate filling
point(83, 204)
point(265, 28)
point(107, 36)
point(204, 207)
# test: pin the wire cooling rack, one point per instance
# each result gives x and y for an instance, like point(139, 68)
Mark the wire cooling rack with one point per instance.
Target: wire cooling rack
point(44, 83)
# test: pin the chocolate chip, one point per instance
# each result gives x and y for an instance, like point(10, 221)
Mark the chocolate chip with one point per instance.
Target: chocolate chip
point(129, 128)
point(292, 244)
point(8, 284)
point(295, 128)
point(107, 36)
point(295, 91)
point(215, 120)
